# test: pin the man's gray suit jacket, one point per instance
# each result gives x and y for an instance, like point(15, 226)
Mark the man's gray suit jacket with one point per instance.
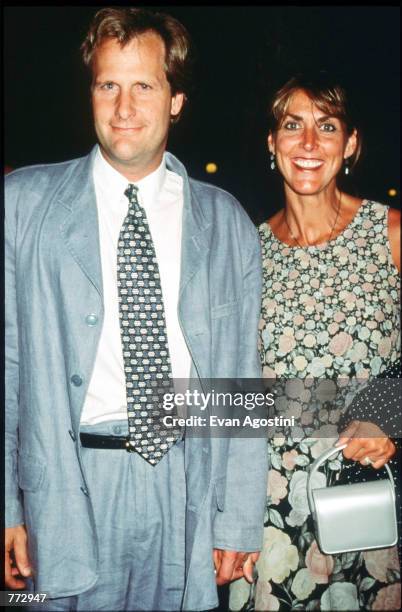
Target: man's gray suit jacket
point(53, 282)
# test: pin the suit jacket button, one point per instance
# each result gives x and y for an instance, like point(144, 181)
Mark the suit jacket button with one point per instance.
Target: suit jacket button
point(76, 380)
point(91, 319)
point(72, 435)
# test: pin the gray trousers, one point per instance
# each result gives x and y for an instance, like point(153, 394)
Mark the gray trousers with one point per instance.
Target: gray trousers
point(140, 521)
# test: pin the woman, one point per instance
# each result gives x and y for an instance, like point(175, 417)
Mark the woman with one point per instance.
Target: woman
point(330, 313)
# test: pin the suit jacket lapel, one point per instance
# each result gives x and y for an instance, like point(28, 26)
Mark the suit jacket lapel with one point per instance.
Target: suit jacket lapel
point(196, 229)
point(80, 227)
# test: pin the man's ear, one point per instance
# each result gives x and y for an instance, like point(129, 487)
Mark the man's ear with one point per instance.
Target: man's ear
point(176, 104)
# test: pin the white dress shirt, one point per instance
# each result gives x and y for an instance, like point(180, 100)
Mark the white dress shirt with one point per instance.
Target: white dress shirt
point(161, 195)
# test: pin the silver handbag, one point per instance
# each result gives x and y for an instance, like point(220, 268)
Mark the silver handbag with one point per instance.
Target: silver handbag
point(351, 517)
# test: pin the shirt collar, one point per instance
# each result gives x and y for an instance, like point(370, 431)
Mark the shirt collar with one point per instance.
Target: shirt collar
point(114, 184)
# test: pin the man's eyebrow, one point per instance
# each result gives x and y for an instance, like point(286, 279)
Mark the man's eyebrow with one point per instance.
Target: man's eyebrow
point(296, 117)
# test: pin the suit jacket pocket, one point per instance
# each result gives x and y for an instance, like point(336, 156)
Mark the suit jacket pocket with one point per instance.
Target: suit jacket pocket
point(220, 487)
point(30, 472)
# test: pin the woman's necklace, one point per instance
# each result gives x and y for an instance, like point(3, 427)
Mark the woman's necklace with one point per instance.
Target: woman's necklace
point(332, 230)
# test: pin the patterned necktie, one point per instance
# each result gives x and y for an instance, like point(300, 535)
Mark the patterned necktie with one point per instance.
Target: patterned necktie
point(144, 338)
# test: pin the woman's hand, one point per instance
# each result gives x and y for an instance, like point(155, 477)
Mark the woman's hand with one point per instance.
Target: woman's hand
point(366, 440)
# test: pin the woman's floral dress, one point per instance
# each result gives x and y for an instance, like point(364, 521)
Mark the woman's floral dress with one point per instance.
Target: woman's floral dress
point(330, 313)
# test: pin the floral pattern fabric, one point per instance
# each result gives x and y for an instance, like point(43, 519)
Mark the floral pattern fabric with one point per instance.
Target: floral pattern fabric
point(330, 318)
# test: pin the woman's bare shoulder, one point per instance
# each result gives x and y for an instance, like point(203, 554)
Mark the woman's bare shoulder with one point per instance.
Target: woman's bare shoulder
point(394, 235)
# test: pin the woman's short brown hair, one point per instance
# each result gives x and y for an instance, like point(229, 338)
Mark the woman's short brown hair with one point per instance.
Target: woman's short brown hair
point(124, 24)
point(326, 93)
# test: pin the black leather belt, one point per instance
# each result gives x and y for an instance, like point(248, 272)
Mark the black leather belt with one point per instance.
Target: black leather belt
point(107, 442)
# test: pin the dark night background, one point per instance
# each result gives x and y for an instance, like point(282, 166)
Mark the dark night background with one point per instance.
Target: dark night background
point(241, 53)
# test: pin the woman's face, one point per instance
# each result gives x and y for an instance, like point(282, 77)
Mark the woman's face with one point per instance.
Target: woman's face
point(310, 146)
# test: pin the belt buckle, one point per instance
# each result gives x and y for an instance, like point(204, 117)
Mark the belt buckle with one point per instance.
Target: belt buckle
point(129, 447)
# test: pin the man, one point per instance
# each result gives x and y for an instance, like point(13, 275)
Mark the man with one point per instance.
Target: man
point(121, 274)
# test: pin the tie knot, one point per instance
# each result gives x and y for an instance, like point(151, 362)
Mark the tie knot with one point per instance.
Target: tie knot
point(131, 193)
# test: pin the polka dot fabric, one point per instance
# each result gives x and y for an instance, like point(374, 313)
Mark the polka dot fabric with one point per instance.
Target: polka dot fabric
point(143, 334)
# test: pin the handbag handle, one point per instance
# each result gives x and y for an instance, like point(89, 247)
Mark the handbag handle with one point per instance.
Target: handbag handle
point(322, 459)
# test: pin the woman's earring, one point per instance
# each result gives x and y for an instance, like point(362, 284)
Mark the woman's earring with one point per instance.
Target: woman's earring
point(272, 157)
point(346, 166)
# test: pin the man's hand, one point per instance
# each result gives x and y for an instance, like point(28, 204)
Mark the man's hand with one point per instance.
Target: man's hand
point(365, 439)
point(16, 561)
point(230, 565)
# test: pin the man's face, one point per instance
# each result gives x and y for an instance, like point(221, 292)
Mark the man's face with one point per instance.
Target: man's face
point(132, 104)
